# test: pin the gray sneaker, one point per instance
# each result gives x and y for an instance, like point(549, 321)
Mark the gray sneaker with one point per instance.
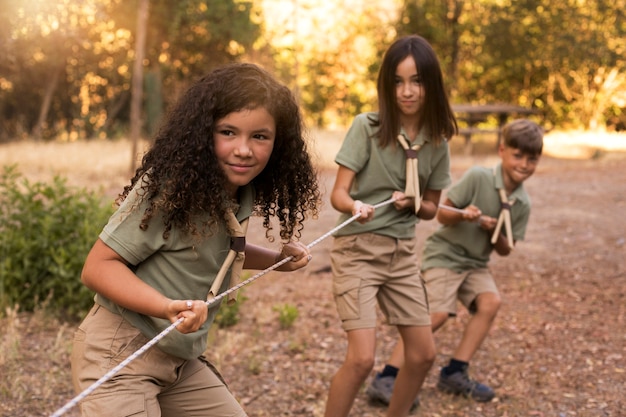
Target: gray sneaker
point(459, 383)
point(380, 390)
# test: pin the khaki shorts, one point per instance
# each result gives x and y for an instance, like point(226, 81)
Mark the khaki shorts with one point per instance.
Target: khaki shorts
point(370, 268)
point(153, 384)
point(445, 286)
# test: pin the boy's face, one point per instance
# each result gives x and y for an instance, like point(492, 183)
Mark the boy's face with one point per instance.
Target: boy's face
point(517, 166)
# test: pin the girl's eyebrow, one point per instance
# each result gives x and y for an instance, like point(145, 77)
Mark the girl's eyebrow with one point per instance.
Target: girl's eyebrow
point(416, 75)
point(233, 127)
point(224, 126)
point(264, 131)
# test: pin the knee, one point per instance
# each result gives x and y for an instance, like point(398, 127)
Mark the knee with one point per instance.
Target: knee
point(428, 358)
point(420, 364)
point(422, 358)
point(361, 366)
point(488, 304)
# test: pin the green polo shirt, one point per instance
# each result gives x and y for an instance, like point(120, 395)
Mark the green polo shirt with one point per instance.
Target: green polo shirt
point(177, 267)
point(466, 245)
point(381, 171)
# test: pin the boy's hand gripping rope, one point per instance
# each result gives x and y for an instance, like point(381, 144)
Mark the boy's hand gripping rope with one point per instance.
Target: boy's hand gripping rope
point(172, 326)
point(458, 210)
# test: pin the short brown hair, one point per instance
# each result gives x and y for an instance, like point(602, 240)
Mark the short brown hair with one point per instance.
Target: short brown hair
point(525, 135)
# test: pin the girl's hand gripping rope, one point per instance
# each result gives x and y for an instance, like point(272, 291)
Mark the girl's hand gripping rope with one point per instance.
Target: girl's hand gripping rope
point(193, 312)
point(299, 254)
point(401, 201)
point(365, 211)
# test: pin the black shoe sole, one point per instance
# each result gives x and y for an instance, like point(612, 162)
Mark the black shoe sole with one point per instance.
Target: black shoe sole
point(377, 401)
point(462, 394)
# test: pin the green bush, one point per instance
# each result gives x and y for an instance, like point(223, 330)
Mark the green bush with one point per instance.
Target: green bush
point(228, 314)
point(287, 315)
point(46, 231)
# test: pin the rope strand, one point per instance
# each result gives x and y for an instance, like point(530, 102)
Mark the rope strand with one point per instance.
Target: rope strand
point(70, 404)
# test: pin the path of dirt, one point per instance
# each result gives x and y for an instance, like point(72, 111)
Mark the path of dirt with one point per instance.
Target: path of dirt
point(558, 346)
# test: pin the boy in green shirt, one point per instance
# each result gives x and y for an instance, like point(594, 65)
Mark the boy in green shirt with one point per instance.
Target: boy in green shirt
point(488, 209)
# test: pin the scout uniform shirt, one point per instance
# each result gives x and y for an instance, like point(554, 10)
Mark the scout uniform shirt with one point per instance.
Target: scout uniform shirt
point(179, 267)
point(381, 171)
point(466, 245)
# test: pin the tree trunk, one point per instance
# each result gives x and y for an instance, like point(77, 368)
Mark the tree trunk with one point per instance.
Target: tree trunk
point(457, 8)
point(137, 82)
point(115, 109)
point(47, 99)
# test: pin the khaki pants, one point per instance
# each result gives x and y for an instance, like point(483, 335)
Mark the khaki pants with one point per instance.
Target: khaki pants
point(152, 385)
point(445, 286)
point(369, 269)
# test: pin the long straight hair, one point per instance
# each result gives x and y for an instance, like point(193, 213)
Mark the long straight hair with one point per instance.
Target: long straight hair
point(437, 116)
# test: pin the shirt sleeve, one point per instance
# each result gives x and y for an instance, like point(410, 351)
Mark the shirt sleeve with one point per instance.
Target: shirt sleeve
point(462, 192)
point(440, 176)
point(356, 147)
point(123, 234)
point(520, 221)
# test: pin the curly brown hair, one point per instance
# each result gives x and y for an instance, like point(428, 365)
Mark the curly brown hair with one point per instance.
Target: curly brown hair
point(180, 175)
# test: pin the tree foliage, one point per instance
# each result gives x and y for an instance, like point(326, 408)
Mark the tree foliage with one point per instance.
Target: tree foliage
point(89, 45)
point(65, 66)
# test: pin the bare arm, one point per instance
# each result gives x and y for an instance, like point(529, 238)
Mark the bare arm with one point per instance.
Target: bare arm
point(260, 258)
point(502, 245)
point(108, 274)
point(341, 200)
point(472, 213)
point(429, 204)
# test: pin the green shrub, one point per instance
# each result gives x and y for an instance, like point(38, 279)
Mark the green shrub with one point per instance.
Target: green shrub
point(46, 231)
point(228, 314)
point(287, 315)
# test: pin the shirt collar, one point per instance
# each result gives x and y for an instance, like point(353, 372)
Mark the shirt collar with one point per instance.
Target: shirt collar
point(245, 204)
point(420, 140)
point(499, 181)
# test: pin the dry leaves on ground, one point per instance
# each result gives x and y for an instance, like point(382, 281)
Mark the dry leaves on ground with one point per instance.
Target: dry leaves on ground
point(557, 348)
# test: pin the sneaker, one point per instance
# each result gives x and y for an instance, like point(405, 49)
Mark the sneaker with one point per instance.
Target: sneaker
point(380, 390)
point(459, 383)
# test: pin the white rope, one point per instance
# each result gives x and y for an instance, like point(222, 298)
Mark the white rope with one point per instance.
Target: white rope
point(454, 209)
point(461, 211)
point(157, 338)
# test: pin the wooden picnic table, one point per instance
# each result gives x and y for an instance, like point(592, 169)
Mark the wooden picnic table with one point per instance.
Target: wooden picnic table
point(472, 114)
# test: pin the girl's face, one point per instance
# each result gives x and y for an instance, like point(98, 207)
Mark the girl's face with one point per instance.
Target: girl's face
point(409, 88)
point(244, 141)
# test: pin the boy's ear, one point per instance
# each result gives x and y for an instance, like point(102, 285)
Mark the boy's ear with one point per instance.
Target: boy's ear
point(500, 148)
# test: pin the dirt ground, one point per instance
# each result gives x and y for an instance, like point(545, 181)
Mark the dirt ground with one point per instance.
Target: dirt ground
point(557, 348)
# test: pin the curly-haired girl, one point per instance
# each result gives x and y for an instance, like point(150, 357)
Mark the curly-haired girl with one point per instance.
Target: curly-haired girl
point(231, 147)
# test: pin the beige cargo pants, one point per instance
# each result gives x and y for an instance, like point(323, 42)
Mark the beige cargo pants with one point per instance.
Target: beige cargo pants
point(152, 385)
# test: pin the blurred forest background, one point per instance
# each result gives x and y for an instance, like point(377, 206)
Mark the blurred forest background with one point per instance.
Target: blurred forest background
point(84, 69)
point(80, 77)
